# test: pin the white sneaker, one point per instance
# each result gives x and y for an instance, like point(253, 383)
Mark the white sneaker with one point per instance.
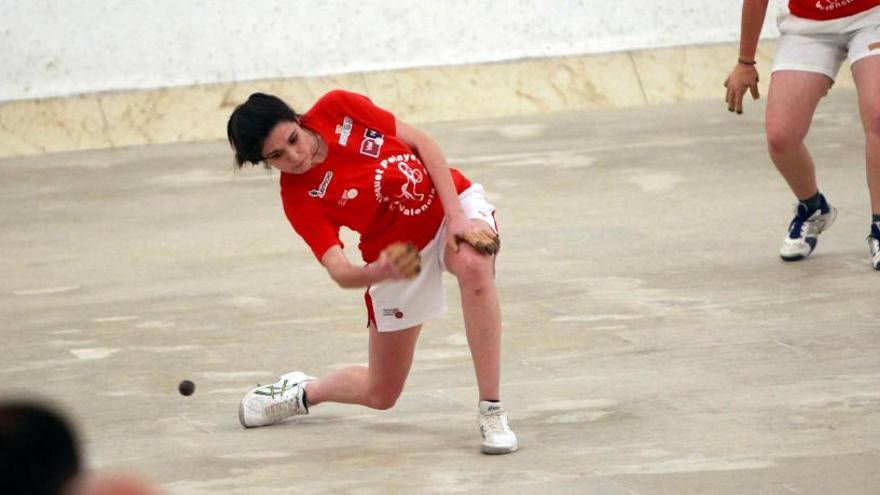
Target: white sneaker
point(804, 230)
point(269, 404)
point(498, 438)
point(874, 245)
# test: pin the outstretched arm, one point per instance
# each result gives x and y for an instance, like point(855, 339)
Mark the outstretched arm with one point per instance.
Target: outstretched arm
point(397, 261)
point(435, 162)
point(460, 228)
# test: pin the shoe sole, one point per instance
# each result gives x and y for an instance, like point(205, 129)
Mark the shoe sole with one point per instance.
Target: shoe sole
point(498, 450)
point(794, 258)
point(832, 215)
point(241, 415)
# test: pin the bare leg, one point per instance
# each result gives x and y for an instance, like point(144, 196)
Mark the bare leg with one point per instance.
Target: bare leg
point(791, 102)
point(482, 315)
point(866, 73)
point(378, 385)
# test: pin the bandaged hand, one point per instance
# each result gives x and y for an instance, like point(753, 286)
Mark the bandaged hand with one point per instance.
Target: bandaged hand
point(403, 258)
point(476, 234)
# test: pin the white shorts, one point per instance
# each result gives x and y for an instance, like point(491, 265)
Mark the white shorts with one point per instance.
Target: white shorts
point(822, 46)
point(398, 304)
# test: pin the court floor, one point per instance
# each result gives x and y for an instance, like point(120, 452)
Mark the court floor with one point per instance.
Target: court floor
point(654, 343)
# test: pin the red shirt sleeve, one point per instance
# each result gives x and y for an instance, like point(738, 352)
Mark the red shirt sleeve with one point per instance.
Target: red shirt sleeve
point(360, 108)
point(318, 231)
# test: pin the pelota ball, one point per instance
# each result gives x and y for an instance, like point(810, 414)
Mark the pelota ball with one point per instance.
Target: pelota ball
point(186, 387)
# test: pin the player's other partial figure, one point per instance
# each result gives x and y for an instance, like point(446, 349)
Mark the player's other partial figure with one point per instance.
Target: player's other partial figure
point(40, 454)
point(347, 162)
point(816, 36)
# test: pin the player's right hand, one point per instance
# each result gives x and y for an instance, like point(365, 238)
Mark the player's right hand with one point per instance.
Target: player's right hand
point(742, 77)
point(400, 261)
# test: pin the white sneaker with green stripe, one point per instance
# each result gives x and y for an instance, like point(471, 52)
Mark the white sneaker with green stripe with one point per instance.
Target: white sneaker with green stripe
point(270, 404)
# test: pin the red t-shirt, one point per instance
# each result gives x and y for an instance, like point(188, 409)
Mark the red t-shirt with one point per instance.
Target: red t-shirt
point(824, 10)
point(370, 182)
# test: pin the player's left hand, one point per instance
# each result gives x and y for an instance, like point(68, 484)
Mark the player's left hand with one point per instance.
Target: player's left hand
point(742, 78)
point(473, 232)
point(400, 261)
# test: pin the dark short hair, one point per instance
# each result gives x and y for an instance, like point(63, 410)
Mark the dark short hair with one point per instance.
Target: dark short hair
point(250, 125)
point(38, 450)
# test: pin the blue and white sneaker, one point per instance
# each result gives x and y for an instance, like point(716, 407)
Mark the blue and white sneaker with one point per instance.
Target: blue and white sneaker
point(874, 245)
point(804, 230)
point(270, 404)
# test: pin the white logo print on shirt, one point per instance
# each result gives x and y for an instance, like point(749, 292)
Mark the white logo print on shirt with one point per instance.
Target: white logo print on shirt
point(833, 4)
point(344, 130)
point(347, 195)
point(410, 201)
point(322, 189)
point(413, 177)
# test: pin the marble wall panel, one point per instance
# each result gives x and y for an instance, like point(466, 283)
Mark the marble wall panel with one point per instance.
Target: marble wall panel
point(523, 87)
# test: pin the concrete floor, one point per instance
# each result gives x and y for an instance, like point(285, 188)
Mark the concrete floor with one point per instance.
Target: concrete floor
point(654, 342)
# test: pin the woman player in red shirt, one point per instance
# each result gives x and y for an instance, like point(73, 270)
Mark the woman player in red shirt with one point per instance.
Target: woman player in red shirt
point(816, 36)
point(347, 162)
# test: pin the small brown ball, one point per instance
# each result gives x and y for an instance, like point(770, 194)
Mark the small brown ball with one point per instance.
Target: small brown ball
point(186, 387)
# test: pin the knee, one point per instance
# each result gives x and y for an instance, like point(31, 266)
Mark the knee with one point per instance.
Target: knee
point(781, 138)
point(383, 398)
point(872, 123)
point(473, 269)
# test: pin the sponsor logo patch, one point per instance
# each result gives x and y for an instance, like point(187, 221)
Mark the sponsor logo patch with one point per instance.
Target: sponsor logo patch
point(346, 196)
point(395, 312)
point(322, 189)
point(372, 143)
point(344, 130)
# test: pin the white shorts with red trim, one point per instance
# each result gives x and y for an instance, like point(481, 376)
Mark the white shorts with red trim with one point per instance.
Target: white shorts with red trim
point(399, 304)
point(822, 46)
